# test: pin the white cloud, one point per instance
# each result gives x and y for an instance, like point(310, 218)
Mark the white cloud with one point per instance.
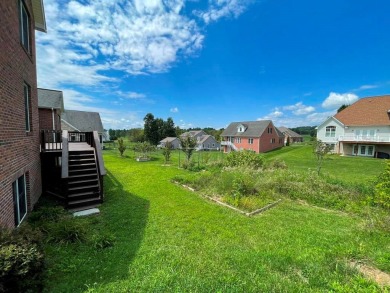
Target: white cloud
point(366, 87)
point(223, 8)
point(335, 100)
point(174, 110)
point(299, 109)
point(274, 115)
point(130, 95)
point(85, 40)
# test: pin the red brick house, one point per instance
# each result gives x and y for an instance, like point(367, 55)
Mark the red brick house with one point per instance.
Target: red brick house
point(258, 136)
point(20, 167)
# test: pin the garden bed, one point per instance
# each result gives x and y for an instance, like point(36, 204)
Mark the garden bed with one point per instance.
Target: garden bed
point(221, 201)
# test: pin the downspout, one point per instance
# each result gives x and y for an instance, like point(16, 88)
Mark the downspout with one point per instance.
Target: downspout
point(54, 126)
point(52, 117)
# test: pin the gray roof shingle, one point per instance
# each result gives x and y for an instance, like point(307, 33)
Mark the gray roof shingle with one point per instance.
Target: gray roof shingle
point(83, 121)
point(253, 128)
point(50, 99)
point(289, 132)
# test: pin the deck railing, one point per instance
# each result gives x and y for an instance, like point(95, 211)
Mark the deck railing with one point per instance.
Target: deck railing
point(365, 138)
point(51, 140)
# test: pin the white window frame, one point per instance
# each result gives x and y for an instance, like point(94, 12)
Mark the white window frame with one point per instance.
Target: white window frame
point(366, 148)
point(238, 139)
point(250, 140)
point(16, 193)
point(330, 131)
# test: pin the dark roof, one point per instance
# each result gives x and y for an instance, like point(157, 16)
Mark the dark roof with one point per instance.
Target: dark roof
point(289, 132)
point(254, 128)
point(50, 99)
point(366, 112)
point(83, 121)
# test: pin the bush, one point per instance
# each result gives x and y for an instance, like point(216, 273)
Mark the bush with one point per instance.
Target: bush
point(66, 231)
point(278, 164)
point(382, 188)
point(244, 158)
point(47, 214)
point(21, 260)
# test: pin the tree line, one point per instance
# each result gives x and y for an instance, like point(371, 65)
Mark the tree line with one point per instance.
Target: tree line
point(155, 129)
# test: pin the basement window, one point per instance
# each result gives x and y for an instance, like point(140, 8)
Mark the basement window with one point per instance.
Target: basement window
point(20, 199)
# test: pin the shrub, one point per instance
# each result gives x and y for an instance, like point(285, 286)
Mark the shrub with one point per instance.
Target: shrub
point(244, 158)
point(21, 260)
point(68, 230)
point(382, 188)
point(167, 149)
point(121, 146)
point(47, 214)
point(278, 164)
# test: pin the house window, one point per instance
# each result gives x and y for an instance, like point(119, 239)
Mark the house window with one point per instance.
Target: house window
point(20, 199)
point(24, 26)
point(330, 131)
point(272, 140)
point(250, 140)
point(269, 130)
point(238, 140)
point(27, 106)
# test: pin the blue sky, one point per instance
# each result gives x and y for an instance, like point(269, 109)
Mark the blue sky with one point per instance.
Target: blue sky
point(209, 63)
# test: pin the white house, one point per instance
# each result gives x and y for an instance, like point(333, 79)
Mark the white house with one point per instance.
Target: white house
point(362, 129)
point(204, 141)
point(174, 141)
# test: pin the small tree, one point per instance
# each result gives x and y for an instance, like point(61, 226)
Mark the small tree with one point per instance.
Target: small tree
point(121, 146)
point(320, 150)
point(188, 144)
point(167, 149)
point(143, 148)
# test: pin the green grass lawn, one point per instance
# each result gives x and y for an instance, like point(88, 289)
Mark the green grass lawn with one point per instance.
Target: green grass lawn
point(356, 170)
point(168, 239)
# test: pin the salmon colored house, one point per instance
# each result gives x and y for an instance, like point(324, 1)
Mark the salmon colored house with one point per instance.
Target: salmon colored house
point(258, 136)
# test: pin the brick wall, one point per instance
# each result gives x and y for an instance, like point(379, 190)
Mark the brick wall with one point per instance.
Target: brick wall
point(266, 143)
point(19, 150)
point(46, 119)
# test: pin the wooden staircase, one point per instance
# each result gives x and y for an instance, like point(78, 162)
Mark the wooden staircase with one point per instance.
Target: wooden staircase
point(83, 181)
point(73, 168)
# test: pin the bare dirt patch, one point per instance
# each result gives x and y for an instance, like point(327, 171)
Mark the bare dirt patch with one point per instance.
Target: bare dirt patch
point(381, 278)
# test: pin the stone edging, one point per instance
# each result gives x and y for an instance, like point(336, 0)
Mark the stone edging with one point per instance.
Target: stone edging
point(258, 211)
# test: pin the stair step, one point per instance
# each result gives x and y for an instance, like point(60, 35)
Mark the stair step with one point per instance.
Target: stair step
point(82, 160)
point(83, 181)
point(82, 170)
point(87, 200)
point(84, 164)
point(83, 187)
point(87, 193)
point(83, 175)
